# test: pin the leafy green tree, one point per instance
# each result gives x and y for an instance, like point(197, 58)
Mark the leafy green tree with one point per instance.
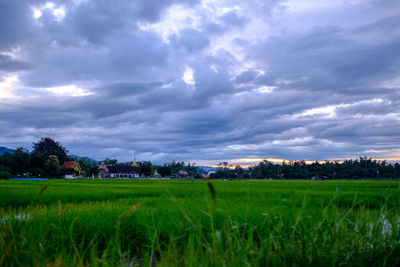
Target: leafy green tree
point(145, 168)
point(164, 170)
point(238, 172)
point(110, 161)
point(48, 146)
point(396, 170)
point(94, 170)
point(88, 167)
point(62, 171)
point(38, 162)
point(5, 172)
point(19, 162)
point(191, 169)
point(265, 169)
point(5, 159)
point(176, 166)
point(52, 166)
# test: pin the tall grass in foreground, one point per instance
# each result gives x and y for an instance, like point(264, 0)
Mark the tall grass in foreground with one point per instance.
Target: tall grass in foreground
point(210, 230)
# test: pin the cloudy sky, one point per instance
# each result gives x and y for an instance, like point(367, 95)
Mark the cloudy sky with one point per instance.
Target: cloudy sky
point(202, 80)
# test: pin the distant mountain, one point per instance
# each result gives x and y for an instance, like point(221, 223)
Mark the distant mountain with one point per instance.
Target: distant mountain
point(207, 168)
point(79, 157)
point(4, 150)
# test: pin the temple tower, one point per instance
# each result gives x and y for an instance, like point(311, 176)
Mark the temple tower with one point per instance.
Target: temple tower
point(134, 164)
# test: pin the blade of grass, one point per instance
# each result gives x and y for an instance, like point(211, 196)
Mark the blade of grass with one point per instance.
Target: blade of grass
point(128, 213)
point(44, 188)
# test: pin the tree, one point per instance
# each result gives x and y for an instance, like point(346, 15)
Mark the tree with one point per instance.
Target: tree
point(225, 164)
point(164, 170)
point(20, 161)
point(110, 161)
point(88, 167)
point(238, 172)
point(5, 159)
point(38, 164)
point(52, 166)
point(48, 146)
point(5, 172)
point(176, 166)
point(94, 170)
point(191, 169)
point(145, 168)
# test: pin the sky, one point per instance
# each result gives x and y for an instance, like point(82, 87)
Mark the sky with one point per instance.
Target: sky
point(202, 81)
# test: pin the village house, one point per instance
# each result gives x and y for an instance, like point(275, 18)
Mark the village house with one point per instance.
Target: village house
point(74, 170)
point(119, 170)
point(182, 174)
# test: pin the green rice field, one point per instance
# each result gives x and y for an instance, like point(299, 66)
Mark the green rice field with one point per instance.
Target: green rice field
point(200, 223)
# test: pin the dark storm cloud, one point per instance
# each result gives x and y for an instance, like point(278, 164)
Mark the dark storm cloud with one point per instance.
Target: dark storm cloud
point(9, 64)
point(328, 58)
point(123, 89)
point(138, 57)
point(191, 40)
point(226, 22)
point(16, 20)
point(211, 82)
point(246, 76)
point(386, 26)
point(104, 19)
point(237, 80)
point(233, 19)
point(150, 10)
point(95, 21)
point(173, 96)
point(361, 133)
point(377, 108)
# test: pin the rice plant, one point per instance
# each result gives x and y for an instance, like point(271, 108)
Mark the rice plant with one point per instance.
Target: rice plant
point(233, 223)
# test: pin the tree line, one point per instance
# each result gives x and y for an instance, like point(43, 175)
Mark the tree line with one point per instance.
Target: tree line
point(48, 157)
point(360, 168)
point(46, 160)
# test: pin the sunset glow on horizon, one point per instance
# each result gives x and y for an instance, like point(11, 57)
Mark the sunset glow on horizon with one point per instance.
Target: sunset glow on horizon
point(251, 162)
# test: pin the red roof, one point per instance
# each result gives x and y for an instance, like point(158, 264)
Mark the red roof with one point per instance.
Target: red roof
point(183, 173)
point(70, 164)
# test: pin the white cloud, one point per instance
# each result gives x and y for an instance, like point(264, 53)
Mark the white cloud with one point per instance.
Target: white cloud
point(8, 85)
point(59, 12)
point(68, 90)
point(327, 112)
point(174, 19)
point(188, 76)
point(294, 141)
point(266, 89)
point(330, 111)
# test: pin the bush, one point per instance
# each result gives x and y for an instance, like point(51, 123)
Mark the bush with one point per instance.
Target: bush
point(5, 172)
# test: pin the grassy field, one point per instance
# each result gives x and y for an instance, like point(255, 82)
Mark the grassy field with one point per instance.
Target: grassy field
point(231, 223)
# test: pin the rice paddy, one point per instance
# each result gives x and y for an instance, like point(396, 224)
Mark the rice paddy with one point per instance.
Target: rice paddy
point(178, 222)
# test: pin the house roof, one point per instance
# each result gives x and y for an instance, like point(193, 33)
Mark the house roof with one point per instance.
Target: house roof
point(183, 173)
point(122, 169)
point(70, 164)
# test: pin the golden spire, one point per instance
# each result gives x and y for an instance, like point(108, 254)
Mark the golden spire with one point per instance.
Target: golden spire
point(134, 164)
